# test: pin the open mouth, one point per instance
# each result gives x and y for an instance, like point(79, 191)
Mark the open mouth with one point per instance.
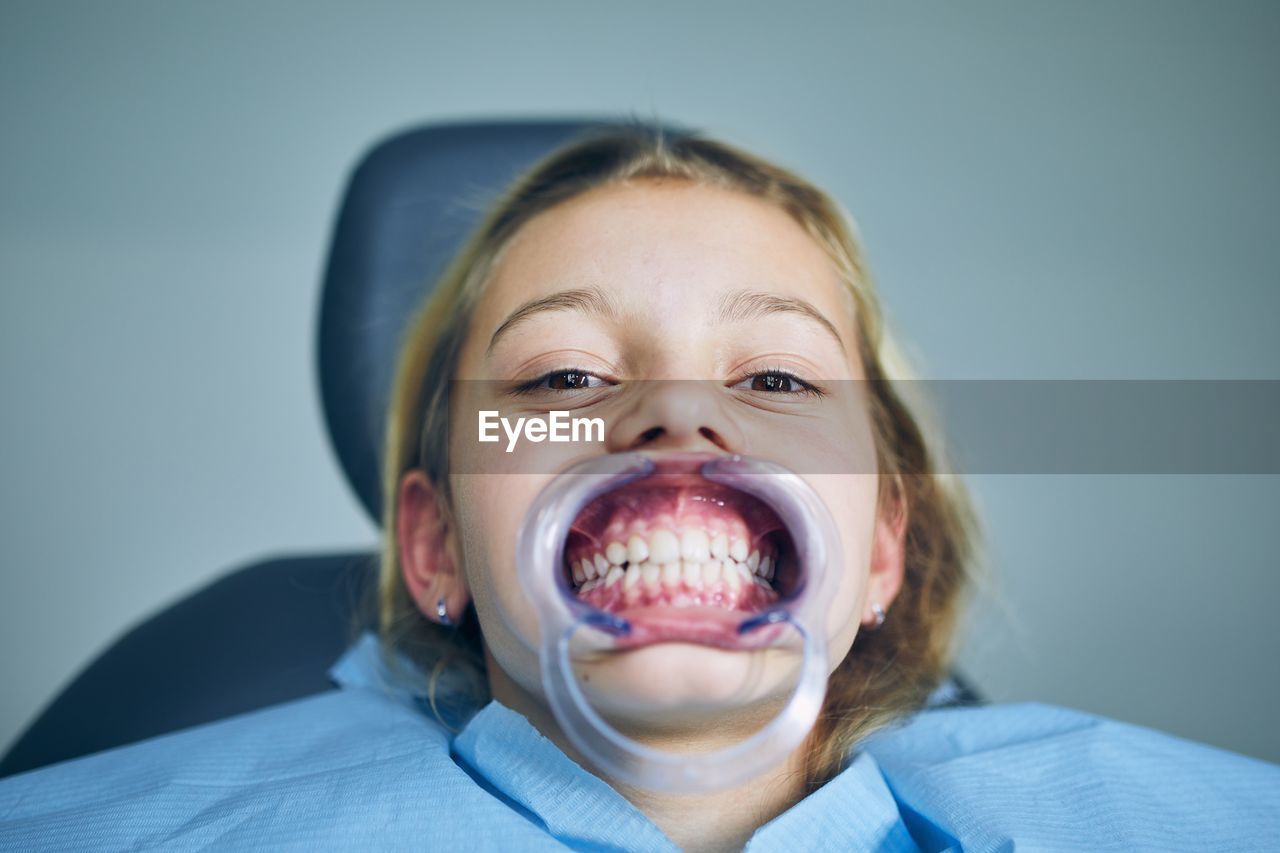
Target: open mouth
point(675, 547)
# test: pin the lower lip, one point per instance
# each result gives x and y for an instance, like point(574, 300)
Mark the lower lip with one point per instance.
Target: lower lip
point(707, 626)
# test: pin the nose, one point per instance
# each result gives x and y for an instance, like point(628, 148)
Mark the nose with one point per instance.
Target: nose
point(676, 414)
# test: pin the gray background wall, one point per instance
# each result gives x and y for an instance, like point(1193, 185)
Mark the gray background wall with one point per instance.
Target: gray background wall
point(1046, 189)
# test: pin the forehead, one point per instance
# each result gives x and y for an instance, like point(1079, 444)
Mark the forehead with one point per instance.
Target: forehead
point(668, 248)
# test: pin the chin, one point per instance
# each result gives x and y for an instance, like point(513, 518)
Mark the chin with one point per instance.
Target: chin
point(671, 687)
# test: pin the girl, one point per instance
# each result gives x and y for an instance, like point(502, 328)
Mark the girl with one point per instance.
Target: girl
point(631, 259)
point(701, 303)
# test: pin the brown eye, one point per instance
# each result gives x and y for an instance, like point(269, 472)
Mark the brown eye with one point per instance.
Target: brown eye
point(778, 382)
point(568, 380)
point(562, 382)
point(773, 382)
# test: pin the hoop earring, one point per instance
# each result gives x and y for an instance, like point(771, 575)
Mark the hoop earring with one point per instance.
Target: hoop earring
point(442, 612)
point(879, 613)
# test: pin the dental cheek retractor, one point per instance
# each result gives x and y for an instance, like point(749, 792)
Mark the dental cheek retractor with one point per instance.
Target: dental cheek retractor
point(561, 614)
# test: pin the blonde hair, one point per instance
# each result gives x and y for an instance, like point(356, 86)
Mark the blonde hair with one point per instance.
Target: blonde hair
point(889, 671)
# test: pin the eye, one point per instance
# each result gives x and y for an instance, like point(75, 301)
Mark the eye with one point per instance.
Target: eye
point(568, 379)
point(776, 382)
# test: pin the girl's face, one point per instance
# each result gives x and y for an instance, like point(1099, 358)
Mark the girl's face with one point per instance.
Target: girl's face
point(689, 319)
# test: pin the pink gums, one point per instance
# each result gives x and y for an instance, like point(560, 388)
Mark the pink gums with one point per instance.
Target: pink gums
point(672, 502)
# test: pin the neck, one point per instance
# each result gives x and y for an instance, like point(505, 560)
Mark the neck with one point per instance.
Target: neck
point(721, 820)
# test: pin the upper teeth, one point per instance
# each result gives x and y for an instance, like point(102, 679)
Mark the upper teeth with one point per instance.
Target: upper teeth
point(693, 558)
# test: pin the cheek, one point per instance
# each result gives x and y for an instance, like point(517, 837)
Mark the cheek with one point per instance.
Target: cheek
point(489, 510)
point(830, 437)
point(852, 501)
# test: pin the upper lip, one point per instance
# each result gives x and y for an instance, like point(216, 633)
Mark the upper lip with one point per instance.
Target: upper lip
point(680, 462)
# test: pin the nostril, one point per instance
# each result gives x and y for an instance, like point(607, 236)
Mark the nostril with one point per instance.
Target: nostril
point(650, 435)
point(714, 437)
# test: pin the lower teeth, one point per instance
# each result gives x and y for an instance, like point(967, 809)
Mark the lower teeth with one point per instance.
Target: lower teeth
point(686, 576)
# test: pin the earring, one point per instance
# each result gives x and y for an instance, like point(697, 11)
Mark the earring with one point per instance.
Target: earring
point(442, 612)
point(879, 613)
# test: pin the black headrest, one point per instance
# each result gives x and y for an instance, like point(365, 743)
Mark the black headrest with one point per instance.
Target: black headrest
point(409, 205)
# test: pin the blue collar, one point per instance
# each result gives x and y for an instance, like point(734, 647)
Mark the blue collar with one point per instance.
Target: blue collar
point(502, 749)
point(506, 755)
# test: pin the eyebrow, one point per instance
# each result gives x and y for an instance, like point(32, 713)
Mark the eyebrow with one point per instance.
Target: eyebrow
point(734, 307)
point(589, 300)
point(750, 305)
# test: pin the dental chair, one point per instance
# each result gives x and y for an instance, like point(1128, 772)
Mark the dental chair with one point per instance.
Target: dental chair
point(268, 632)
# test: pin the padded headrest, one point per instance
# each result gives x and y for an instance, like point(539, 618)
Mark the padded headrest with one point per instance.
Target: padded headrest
point(408, 207)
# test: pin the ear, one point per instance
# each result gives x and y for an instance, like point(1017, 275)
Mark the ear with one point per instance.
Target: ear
point(428, 549)
point(888, 551)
